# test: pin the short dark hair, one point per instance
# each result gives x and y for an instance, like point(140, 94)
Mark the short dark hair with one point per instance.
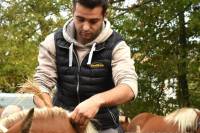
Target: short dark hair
point(92, 4)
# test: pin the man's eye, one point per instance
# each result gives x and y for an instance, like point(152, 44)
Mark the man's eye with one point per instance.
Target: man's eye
point(80, 19)
point(93, 21)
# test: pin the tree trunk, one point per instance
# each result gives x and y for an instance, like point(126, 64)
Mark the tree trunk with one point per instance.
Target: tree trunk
point(183, 93)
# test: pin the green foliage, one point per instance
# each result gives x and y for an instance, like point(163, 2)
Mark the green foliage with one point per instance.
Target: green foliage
point(24, 24)
point(153, 31)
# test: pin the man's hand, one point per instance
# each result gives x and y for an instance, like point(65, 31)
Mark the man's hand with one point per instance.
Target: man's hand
point(40, 103)
point(85, 111)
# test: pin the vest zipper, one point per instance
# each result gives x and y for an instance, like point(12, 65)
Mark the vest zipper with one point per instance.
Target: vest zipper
point(78, 76)
point(78, 84)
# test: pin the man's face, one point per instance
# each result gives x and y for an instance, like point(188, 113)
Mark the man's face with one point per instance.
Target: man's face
point(88, 22)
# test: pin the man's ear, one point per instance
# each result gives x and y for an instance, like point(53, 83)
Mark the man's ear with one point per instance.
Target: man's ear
point(105, 15)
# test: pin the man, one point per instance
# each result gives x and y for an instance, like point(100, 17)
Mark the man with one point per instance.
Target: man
point(90, 65)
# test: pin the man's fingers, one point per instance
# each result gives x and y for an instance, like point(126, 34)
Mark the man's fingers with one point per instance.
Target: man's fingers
point(38, 102)
point(42, 100)
point(83, 121)
point(75, 117)
point(72, 116)
point(78, 118)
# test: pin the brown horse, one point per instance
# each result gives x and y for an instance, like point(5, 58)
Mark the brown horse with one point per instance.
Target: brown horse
point(184, 120)
point(44, 120)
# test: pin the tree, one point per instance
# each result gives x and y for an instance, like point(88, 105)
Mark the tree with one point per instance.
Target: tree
point(160, 33)
point(24, 24)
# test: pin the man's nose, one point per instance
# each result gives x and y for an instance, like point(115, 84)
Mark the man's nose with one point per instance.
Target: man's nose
point(86, 26)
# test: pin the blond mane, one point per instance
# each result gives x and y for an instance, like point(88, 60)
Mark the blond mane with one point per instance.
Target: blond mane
point(41, 113)
point(184, 117)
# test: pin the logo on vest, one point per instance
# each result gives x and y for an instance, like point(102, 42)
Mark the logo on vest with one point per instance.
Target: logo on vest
point(96, 65)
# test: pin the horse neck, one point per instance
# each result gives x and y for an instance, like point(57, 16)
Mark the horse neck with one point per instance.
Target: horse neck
point(58, 125)
point(52, 123)
point(139, 121)
point(142, 118)
point(40, 125)
point(16, 128)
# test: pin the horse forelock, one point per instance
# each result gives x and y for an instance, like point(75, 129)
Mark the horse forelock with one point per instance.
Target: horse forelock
point(184, 118)
point(41, 113)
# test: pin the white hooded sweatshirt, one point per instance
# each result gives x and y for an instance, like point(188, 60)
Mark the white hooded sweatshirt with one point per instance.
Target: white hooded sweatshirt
point(123, 69)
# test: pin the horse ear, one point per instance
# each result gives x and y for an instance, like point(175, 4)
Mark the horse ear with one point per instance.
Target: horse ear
point(26, 124)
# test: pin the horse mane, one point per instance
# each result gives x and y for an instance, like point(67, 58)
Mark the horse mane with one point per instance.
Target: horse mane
point(184, 118)
point(41, 113)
